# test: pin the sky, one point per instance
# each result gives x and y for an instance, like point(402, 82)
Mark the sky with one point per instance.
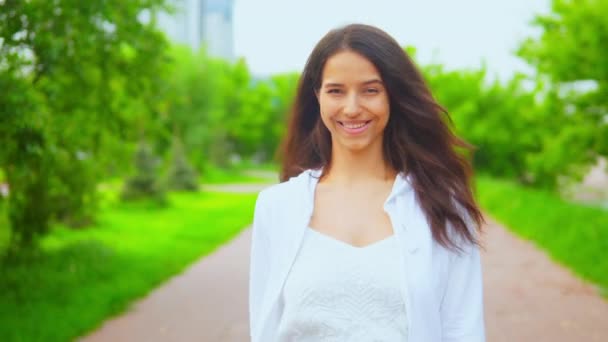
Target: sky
point(277, 36)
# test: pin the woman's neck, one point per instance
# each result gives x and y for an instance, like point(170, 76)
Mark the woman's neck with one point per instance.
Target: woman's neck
point(351, 168)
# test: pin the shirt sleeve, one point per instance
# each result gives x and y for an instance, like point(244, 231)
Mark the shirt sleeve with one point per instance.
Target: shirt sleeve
point(462, 313)
point(259, 265)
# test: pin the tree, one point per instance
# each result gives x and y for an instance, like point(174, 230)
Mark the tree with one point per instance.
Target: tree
point(189, 97)
point(182, 175)
point(75, 77)
point(144, 184)
point(284, 92)
point(501, 121)
point(571, 55)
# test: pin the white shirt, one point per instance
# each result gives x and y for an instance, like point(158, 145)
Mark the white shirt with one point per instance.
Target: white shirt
point(337, 292)
point(443, 289)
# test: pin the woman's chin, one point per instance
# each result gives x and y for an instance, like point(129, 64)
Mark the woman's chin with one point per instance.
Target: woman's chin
point(355, 146)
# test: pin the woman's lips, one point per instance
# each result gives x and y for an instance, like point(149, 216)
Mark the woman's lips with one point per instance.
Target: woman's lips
point(354, 127)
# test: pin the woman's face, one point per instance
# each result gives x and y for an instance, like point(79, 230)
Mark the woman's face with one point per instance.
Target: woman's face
point(354, 102)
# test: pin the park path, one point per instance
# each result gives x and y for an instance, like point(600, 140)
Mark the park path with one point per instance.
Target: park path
point(528, 297)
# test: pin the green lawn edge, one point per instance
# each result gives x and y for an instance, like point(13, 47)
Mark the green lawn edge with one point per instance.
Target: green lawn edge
point(83, 277)
point(239, 175)
point(573, 235)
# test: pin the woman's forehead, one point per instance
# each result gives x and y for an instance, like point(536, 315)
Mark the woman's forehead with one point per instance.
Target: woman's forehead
point(349, 67)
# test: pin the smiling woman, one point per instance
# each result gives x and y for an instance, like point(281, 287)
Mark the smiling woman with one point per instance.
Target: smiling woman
point(372, 234)
point(353, 103)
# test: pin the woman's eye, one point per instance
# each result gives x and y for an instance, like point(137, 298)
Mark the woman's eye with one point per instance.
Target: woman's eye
point(372, 90)
point(333, 91)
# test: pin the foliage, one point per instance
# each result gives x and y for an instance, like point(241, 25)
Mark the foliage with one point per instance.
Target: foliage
point(518, 128)
point(283, 93)
point(572, 43)
point(571, 54)
point(182, 175)
point(76, 76)
point(494, 118)
point(187, 103)
point(144, 184)
point(219, 109)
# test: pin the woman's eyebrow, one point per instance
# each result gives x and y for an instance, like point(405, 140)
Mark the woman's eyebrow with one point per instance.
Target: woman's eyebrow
point(335, 84)
point(327, 85)
point(375, 80)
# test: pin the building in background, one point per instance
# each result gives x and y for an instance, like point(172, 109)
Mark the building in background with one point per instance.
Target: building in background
point(201, 22)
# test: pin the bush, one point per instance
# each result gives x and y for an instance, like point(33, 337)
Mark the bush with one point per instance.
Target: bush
point(182, 175)
point(144, 184)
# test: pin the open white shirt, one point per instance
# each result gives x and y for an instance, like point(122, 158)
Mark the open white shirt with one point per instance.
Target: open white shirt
point(442, 291)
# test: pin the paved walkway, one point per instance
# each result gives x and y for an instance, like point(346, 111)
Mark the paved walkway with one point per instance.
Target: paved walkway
point(528, 298)
point(208, 302)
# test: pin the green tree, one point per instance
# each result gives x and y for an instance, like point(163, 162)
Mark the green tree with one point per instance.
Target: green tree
point(498, 119)
point(188, 101)
point(75, 78)
point(182, 175)
point(571, 55)
point(217, 108)
point(144, 184)
point(283, 94)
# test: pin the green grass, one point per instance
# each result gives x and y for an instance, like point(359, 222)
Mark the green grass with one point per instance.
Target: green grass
point(574, 235)
point(239, 174)
point(248, 165)
point(81, 277)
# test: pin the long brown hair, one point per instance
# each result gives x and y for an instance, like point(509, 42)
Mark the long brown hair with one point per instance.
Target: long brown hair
point(416, 140)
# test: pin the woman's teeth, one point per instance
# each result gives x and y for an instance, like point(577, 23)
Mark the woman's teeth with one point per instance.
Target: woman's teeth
point(353, 125)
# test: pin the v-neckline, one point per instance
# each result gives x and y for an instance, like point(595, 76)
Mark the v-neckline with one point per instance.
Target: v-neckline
point(348, 245)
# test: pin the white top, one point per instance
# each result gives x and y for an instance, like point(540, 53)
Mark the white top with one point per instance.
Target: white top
point(443, 288)
point(339, 292)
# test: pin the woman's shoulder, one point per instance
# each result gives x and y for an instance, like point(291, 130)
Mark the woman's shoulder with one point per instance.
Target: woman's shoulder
point(286, 193)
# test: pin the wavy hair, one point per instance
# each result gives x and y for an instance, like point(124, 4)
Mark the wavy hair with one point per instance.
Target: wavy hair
point(417, 140)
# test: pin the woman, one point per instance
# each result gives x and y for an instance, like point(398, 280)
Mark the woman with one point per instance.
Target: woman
point(372, 234)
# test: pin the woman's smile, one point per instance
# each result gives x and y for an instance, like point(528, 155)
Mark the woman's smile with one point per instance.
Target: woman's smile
point(354, 127)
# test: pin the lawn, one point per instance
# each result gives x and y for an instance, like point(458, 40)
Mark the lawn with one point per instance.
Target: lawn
point(239, 174)
point(574, 235)
point(81, 277)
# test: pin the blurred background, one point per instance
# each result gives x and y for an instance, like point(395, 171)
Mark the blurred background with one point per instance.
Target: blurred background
point(123, 121)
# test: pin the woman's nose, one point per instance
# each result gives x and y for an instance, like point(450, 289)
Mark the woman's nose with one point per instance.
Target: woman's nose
point(352, 106)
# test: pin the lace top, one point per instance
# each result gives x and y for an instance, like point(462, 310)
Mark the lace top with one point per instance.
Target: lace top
point(339, 292)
